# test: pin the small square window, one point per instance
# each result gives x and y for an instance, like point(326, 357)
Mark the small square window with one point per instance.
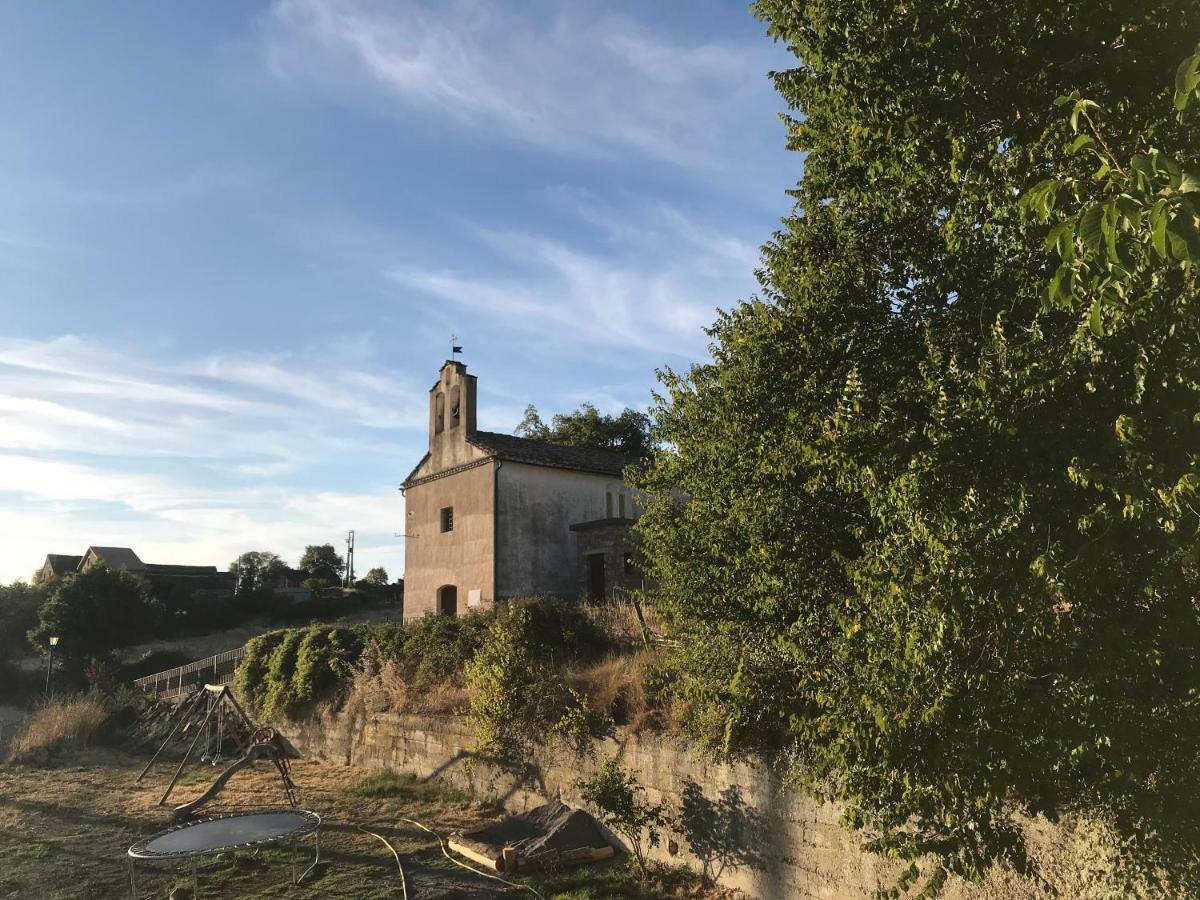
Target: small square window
point(608, 505)
point(447, 518)
point(621, 506)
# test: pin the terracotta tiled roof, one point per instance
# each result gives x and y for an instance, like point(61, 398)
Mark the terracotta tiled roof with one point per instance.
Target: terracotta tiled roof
point(539, 453)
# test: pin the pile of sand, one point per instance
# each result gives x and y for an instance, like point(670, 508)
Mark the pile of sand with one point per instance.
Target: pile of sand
point(552, 834)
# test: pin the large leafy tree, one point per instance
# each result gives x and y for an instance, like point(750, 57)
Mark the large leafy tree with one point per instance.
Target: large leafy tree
point(19, 605)
point(257, 570)
point(628, 431)
point(94, 613)
point(940, 533)
point(323, 564)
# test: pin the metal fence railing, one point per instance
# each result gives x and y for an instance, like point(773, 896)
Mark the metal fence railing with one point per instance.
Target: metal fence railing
point(217, 669)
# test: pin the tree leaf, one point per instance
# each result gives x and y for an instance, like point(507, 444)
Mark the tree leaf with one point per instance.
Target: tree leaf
point(1183, 234)
point(1094, 320)
point(1158, 228)
point(1061, 287)
point(1038, 201)
point(1080, 142)
point(1187, 78)
point(1091, 222)
point(1061, 239)
point(1081, 106)
point(1109, 228)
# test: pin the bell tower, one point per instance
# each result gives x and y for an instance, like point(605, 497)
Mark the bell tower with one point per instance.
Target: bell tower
point(451, 409)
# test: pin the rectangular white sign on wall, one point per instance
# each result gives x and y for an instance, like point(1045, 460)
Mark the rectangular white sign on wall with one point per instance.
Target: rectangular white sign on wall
point(474, 597)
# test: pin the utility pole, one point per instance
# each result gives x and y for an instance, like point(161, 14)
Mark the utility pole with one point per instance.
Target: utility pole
point(350, 559)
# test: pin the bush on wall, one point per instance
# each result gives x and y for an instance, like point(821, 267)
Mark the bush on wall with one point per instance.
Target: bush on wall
point(509, 658)
point(517, 694)
point(284, 671)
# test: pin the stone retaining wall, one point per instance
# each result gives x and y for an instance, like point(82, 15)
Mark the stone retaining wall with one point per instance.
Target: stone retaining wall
point(737, 823)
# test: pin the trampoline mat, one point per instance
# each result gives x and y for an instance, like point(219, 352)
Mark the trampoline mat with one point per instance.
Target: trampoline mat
point(221, 833)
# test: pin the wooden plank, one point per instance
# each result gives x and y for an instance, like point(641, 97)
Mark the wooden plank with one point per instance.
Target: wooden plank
point(569, 858)
point(492, 862)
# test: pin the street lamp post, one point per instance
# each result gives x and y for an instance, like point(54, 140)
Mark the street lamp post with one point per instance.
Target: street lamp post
point(50, 663)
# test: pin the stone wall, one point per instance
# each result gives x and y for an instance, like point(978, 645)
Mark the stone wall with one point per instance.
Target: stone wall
point(737, 822)
point(615, 541)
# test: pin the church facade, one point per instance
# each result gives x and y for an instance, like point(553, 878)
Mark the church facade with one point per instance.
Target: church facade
point(490, 516)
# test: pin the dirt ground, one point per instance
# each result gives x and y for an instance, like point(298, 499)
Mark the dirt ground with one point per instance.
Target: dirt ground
point(64, 832)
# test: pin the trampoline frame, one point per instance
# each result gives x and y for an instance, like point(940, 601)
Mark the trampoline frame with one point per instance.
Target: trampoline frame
point(310, 825)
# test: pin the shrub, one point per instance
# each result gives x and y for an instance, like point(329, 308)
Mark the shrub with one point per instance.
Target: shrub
point(438, 648)
point(324, 662)
point(285, 671)
point(58, 725)
point(505, 665)
point(518, 694)
point(251, 679)
point(617, 796)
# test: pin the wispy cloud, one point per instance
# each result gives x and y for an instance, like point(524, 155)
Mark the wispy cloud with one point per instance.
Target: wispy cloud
point(189, 184)
point(566, 78)
point(655, 287)
point(364, 398)
point(198, 458)
point(658, 228)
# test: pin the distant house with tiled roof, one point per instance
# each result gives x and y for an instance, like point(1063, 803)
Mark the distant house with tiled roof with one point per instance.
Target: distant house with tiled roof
point(490, 516)
point(113, 558)
point(57, 565)
point(202, 579)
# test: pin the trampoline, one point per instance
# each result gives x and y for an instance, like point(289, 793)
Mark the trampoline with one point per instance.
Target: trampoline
point(223, 834)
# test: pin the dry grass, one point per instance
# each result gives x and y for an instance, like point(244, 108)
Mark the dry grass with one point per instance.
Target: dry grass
point(620, 619)
point(616, 686)
point(64, 834)
point(56, 726)
point(388, 690)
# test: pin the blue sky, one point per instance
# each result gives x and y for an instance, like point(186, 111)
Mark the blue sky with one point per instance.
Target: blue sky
point(235, 239)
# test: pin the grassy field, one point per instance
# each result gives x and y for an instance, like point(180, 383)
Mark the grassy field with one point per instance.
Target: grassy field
point(64, 832)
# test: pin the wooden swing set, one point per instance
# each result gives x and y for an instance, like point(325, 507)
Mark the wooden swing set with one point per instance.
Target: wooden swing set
point(214, 718)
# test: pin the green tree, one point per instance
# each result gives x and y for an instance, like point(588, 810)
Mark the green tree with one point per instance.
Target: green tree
point(19, 605)
point(257, 570)
point(628, 431)
point(377, 575)
point(322, 564)
point(94, 613)
point(618, 797)
point(940, 530)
